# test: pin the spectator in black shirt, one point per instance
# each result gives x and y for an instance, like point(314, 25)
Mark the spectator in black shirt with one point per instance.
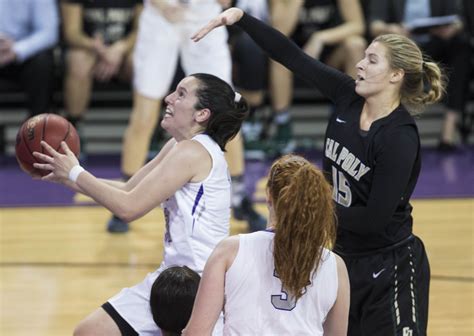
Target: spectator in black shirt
point(99, 37)
point(372, 157)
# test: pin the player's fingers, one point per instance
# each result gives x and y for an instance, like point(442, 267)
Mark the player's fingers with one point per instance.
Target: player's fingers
point(66, 148)
point(43, 157)
point(49, 149)
point(43, 166)
point(49, 177)
point(206, 29)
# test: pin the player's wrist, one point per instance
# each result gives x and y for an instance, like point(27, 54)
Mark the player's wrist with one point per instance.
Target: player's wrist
point(75, 172)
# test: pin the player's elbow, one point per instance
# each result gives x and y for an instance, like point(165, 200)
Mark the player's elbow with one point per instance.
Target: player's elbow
point(127, 212)
point(128, 215)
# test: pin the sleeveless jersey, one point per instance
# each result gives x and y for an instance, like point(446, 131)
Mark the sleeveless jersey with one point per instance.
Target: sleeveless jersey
point(256, 304)
point(197, 216)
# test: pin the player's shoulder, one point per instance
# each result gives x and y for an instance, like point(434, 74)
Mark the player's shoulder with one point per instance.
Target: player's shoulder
point(229, 243)
point(189, 150)
point(227, 250)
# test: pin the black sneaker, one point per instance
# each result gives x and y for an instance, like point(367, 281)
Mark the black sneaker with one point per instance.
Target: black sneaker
point(446, 147)
point(116, 225)
point(246, 212)
point(283, 139)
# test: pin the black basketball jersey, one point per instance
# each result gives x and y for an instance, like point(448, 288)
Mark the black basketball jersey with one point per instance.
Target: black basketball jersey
point(316, 15)
point(111, 19)
point(373, 174)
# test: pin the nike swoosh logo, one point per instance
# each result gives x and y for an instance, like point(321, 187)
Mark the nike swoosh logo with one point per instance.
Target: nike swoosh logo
point(376, 275)
point(340, 120)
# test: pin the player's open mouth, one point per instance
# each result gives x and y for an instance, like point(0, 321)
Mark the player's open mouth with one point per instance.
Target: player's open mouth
point(168, 112)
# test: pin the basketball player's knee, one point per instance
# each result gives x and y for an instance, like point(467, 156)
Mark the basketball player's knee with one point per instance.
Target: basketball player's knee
point(355, 46)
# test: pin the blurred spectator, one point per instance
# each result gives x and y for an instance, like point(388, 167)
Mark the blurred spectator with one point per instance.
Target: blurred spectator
point(28, 33)
point(468, 11)
point(446, 44)
point(250, 69)
point(467, 120)
point(99, 37)
point(328, 30)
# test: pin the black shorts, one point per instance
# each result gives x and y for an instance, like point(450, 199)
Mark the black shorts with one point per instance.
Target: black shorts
point(389, 291)
point(125, 328)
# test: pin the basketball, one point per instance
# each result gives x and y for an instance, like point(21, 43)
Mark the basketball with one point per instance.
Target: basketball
point(51, 128)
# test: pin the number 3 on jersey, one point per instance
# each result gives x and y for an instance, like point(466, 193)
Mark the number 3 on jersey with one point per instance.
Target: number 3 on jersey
point(341, 192)
point(282, 301)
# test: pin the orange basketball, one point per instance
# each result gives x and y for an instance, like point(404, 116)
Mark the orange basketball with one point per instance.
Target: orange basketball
point(51, 128)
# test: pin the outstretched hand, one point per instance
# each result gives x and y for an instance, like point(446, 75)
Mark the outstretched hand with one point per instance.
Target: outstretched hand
point(58, 164)
point(226, 18)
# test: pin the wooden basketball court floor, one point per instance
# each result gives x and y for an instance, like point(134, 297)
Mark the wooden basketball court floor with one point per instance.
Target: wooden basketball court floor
point(58, 264)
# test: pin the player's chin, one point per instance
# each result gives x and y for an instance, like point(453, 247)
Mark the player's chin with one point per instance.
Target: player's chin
point(360, 90)
point(166, 123)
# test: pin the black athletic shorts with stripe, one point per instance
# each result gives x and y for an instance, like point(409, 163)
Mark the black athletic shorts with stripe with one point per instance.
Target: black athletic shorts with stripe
point(389, 290)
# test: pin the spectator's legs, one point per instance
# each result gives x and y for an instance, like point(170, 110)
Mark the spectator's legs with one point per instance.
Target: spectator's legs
point(241, 204)
point(234, 154)
point(252, 128)
point(448, 130)
point(136, 143)
point(78, 82)
point(454, 55)
point(250, 72)
point(254, 98)
point(281, 87)
point(347, 55)
point(458, 59)
point(137, 138)
point(126, 72)
point(37, 79)
point(154, 62)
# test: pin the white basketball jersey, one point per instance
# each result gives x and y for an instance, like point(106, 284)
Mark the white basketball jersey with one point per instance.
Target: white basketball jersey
point(256, 304)
point(198, 215)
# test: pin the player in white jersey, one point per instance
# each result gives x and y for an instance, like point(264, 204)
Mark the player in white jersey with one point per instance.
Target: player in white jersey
point(162, 41)
point(282, 281)
point(189, 177)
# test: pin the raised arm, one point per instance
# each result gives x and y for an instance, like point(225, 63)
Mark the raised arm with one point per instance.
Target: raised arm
point(331, 82)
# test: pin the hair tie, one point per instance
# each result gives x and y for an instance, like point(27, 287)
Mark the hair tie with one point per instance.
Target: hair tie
point(237, 97)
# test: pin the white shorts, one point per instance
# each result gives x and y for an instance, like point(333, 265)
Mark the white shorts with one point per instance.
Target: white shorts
point(159, 46)
point(133, 305)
